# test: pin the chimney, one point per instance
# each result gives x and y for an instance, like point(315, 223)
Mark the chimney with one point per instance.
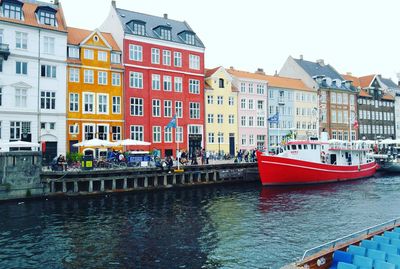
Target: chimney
point(276, 73)
point(260, 71)
point(114, 4)
point(349, 73)
point(301, 56)
point(320, 62)
point(231, 67)
point(165, 16)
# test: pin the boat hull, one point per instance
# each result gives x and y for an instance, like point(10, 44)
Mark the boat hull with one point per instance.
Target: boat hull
point(276, 170)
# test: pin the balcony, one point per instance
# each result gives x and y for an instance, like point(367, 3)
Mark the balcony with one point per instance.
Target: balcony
point(4, 51)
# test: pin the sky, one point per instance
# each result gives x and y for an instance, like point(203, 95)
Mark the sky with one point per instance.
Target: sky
point(361, 37)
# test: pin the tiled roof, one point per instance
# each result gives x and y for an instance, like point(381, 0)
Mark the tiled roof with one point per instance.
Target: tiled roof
point(388, 96)
point(364, 93)
point(210, 72)
point(30, 18)
point(366, 81)
point(356, 80)
point(207, 86)
point(77, 35)
point(316, 69)
point(273, 81)
point(153, 22)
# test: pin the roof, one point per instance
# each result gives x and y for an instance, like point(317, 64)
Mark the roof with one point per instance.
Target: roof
point(273, 81)
point(364, 93)
point(77, 35)
point(316, 69)
point(389, 83)
point(30, 18)
point(153, 22)
point(355, 80)
point(388, 96)
point(210, 72)
point(366, 81)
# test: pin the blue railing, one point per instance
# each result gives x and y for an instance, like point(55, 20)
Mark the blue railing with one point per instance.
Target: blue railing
point(347, 238)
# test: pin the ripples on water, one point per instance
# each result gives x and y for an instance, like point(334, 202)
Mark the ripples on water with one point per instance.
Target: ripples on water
point(240, 226)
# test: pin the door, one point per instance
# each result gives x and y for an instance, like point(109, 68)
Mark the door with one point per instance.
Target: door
point(71, 148)
point(50, 153)
point(232, 144)
point(194, 143)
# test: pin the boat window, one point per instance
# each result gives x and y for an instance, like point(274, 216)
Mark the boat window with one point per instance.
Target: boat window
point(305, 147)
point(294, 147)
point(300, 147)
point(287, 147)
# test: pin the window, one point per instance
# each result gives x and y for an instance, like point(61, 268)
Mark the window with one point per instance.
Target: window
point(339, 116)
point(116, 133)
point(243, 121)
point(333, 98)
point(48, 71)
point(136, 106)
point(165, 34)
point(178, 109)
point(211, 138)
point(52, 125)
point(243, 103)
point(102, 101)
point(194, 110)
point(21, 40)
point(116, 79)
point(20, 97)
point(47, 100)
point(221, 83)
point(116, 105)
point(21, 68)
point(102, 78)
point(260, 104)
point(137, 132)
point(210, 99)
point(73, 102)
point(251, 89)
point(244, 140)
point(220, 100)
point(88, 131)
point(179, 134)
point(167, 135)
point(12, 11)
point(194, 86)
point(167, 83)
point(102, 131)
point(102, 56)
point(189, 39)
point(194, 62)
point(260, 89)
point(73, 75)
point(74, 129)
point(139, 28)
point(251, 104)
point(231, 119)
point(155, 82)
point(178, 84)
point(1, 97)
point(251, 121)
point(88, 76)
point(73, 52)
point(48, 45)
point(88, 54)
point(115, 58)
point(333, 116)
point(231, 101)
point(48, 18)
point(242, 87)
point(166, 57)
point(88, 103)
point(1, 64)
point(136, 80)
point(17, 128)
point(177, 59)
point(260, 122)
point(220, 137)
point(167, 108)
point(156, 108)
point(156, 134)
point(135, 52)
point(220, 118)
point(210, 118)
point(155, 56)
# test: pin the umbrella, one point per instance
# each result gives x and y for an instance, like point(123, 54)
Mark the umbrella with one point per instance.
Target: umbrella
point(20, 144)
point(96, 143)
point(131, 142)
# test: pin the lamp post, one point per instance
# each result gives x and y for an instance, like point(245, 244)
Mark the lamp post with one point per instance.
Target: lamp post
point(219, 144)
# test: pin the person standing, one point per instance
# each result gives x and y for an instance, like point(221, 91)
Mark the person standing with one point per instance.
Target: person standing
point(207, 156)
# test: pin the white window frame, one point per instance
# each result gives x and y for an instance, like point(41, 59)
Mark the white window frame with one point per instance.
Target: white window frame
point(156, 108)
point(102, 78)
point(115, 79)
point(138, 106)
point(178, 84)
point(179, 109)
point(156, 82)
point(88, 54)
point(74, 74)
point(194, 62)
point(102, 56)
point(166, 57)
point(135, 53)
point(74, 102)
point(88, 76)
point(177, 59)
point(136, 80)
point(157, 134)
point(167, 83)
point(168, 108)
point(84, 102)
point(102, 105)
point(116, 104)
point(155, 56)
point(137, 132)
point(194, 86)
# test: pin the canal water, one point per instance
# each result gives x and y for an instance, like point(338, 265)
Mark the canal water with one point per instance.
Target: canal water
point(236, 226)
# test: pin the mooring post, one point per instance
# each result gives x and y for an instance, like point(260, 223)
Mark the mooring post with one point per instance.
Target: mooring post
point(125, 183)
point(174, 179)
point(52, 188)
point(76, 189)
point(165, 180)
point(102, 185)
point(155, 181)
point(114, 184)
point(64, 186)
point(135, 182)
point(146, 182)
point(90, 185)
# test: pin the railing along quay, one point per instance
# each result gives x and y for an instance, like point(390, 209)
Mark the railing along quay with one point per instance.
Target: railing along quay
point(133, 179)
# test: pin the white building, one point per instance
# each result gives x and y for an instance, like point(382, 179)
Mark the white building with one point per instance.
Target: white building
point(33, 42)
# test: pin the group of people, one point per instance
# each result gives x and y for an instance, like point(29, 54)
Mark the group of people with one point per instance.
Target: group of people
point(246, 156)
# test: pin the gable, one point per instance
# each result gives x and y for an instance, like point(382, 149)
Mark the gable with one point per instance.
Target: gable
point(96, 39)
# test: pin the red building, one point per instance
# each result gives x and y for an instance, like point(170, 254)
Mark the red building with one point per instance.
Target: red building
point(164, 76)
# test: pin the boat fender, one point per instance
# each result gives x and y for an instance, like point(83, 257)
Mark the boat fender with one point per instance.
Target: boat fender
point(359, 167)
point(323, 156)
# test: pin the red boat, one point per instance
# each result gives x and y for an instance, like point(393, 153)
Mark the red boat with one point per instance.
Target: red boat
point(312, 162)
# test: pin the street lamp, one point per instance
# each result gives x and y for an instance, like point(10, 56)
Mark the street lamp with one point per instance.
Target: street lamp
point(219, 144)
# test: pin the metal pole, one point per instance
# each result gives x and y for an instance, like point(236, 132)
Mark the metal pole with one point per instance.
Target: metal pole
point(177, 141)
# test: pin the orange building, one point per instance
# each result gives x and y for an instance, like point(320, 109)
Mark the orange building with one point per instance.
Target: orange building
point(95, 88)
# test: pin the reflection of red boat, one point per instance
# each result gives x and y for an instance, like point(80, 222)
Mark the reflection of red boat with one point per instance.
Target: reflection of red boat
point(311, 162)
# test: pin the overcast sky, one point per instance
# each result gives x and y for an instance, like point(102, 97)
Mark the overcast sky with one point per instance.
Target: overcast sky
point(355, 36)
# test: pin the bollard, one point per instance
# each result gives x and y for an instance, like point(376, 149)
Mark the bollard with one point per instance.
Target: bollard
point(91, 186)
point(102, 185)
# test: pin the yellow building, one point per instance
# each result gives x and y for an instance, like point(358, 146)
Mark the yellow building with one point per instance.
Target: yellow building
point(221, 128)
point(306, 112)
point(95, 88)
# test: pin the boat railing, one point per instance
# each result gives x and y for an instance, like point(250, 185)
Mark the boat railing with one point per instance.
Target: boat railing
point(332, 244)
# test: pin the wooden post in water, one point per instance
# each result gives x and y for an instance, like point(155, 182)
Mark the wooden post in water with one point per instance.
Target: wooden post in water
point(76, 189)
point(102, 185)
point(91, 186)
point(64, 186)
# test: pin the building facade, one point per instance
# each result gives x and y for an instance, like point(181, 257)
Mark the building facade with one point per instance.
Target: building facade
point(221, 112)
point(164, 77)
point(252, 108)
point(33, 41)
point(95, 88)
point(337, 105)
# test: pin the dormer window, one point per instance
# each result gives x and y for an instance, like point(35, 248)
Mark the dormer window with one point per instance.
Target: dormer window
point(190, 39)
point(137, 27)
point(12, 9)
point(165, 33)
point(115, 58)
point(46, 16)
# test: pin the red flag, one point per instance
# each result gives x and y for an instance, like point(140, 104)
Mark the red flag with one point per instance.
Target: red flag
point(355, 124)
